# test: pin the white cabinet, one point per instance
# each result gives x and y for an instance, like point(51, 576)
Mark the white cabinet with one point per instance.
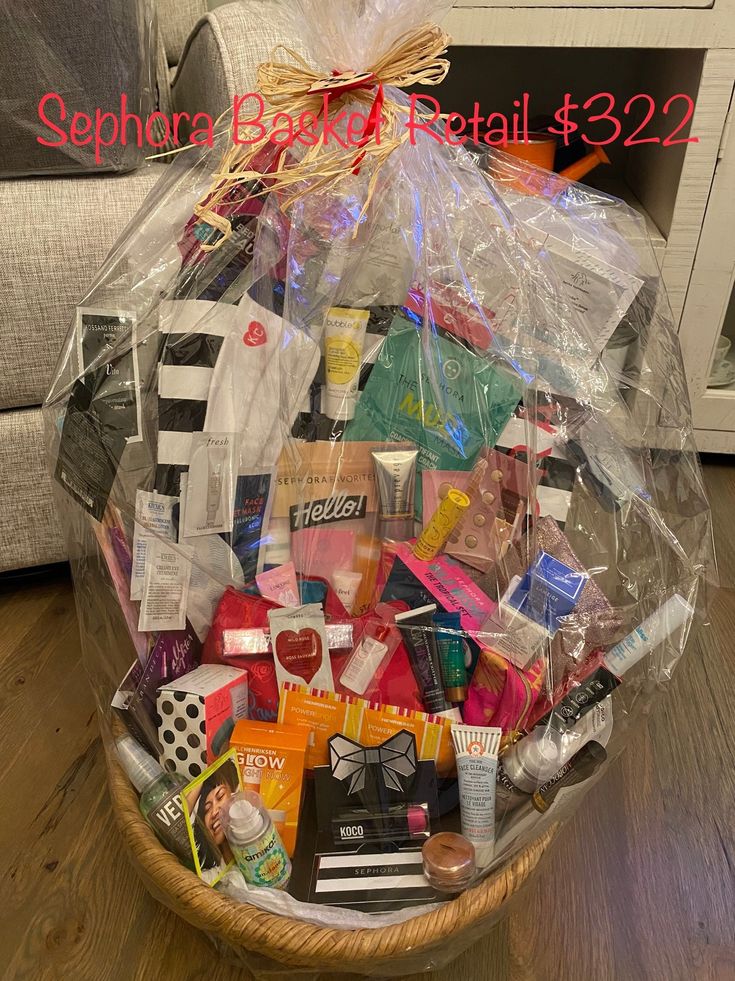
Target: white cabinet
point(669, 184)
point(686, 193)
point(709, 311)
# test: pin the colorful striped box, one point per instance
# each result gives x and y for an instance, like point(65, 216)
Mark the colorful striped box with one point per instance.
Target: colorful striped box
point(326, 713)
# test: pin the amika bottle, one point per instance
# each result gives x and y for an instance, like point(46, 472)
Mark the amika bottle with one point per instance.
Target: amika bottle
point(256, 845)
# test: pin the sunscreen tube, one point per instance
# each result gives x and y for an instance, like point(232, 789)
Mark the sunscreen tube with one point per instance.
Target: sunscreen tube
point(346, 585)
point(675, 613)
point(344, 340)
point(476, 749)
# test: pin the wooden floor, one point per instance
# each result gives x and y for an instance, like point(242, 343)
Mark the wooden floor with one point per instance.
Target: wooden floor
point(639, 887)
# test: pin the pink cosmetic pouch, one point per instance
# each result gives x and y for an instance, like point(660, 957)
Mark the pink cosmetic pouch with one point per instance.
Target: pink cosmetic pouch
point(501, 694)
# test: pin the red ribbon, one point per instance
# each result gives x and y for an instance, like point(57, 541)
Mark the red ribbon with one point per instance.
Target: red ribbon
point(365, 81)
point(371, 127)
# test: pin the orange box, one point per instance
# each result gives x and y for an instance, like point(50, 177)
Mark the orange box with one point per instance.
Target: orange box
point(323, 714)
point(271, 760)
point(320, 714)
point(432, 732)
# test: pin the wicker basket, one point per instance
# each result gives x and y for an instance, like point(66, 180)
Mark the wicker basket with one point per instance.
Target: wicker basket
point(245, 928)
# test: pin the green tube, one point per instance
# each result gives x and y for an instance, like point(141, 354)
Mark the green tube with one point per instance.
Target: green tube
point(451, 655)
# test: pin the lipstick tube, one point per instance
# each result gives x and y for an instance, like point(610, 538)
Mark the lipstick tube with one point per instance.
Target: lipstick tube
point(397, 824)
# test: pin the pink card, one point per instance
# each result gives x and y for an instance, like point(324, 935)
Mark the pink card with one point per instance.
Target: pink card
point(452, 588)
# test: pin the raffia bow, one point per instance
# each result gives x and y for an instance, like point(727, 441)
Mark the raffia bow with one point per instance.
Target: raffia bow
point(294, 87)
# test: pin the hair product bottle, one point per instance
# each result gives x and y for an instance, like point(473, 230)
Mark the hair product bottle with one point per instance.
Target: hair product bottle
point(255, 843)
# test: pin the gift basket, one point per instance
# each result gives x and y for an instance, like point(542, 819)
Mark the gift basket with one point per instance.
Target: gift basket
point(379, 555)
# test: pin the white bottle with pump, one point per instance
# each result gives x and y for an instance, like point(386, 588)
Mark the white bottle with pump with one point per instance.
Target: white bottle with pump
point(365, 661)
point(256, 845)
point(536, 758)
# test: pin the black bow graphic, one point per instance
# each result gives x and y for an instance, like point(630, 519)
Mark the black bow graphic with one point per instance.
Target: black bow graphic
point(395, 758)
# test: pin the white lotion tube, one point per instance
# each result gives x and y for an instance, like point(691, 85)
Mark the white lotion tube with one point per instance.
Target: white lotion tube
point(346, 586)
point(395, 473)
point(476, 749)
point(675, 613)
point(344, 340)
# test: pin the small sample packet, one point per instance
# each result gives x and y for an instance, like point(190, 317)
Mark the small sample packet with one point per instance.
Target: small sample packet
point(153, 519)
point(300, 646)
point(250, 519)
point(322, 714)
point(280, 585)
point(89, 451)
point(107, 350)
point(210, 491)
point(166, 587)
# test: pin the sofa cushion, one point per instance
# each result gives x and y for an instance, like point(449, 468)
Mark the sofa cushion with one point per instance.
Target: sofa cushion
point(222, 54)
point(176, 18)
point(88, 54)
point(29, 528)
point(60, 233)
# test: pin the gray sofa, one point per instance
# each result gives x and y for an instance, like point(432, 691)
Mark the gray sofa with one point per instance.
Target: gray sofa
point(59, 234)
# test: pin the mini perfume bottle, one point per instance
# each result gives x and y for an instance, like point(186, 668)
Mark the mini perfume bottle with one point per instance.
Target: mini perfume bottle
point(160, 799)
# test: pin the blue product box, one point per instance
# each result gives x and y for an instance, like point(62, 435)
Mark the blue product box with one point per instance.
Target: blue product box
point(548, 592)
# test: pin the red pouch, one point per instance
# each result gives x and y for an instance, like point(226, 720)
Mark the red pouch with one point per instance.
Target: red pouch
point(241, 611)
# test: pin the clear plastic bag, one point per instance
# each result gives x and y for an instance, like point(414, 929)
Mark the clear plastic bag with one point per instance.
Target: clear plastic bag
point(395, 395)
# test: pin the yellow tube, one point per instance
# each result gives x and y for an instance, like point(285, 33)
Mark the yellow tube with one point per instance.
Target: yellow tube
point(443, 522)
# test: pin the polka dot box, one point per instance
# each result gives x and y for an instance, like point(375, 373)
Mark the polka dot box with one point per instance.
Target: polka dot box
point(196, 716)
